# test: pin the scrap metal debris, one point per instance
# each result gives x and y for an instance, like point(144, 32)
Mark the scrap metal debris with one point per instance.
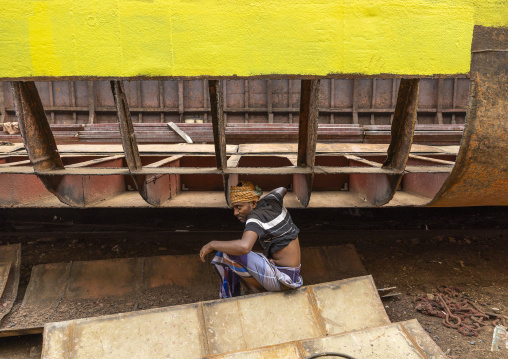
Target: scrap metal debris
point(499, 339)
point(388, 292)
point(457, 311)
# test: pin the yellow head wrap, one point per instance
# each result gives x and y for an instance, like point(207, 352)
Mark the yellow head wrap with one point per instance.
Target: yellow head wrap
point(244, 191)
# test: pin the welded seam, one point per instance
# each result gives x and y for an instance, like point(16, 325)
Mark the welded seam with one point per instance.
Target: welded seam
point(202, 326)
point(412, 340)
point(316, 312)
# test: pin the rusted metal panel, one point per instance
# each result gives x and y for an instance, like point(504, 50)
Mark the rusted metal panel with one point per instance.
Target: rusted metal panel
point(480, 175)
point(90, 178)
point(153, 191)
point(249, 133)
point(10, 254)
point(129, 143)
point(402, 130)
point(37, 136)
point(160, 188)
point(399, 340)
point(17, 189)
point(219, 131)
point(123, 285)
point(247, 100)
point(87, 190)
point(207, 328)
point(34, 127)
point(307, 138)
point(5, 268)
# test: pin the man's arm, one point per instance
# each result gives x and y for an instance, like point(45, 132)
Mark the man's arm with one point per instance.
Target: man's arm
point(282, 191)
point(237, 247)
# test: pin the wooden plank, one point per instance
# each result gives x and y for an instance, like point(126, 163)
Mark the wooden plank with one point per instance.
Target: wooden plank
point(163, 161)
point(363, 160)
point(434, 160)
point(233, 161)
point(180, 133)
point(94, 161)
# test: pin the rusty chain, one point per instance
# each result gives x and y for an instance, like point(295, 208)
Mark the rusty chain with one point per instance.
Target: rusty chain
point(457, 312)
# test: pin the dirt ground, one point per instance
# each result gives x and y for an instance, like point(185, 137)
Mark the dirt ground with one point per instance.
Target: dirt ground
point(417, 254)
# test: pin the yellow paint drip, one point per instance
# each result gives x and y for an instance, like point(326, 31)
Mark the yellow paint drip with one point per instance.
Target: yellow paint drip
point(128, 38)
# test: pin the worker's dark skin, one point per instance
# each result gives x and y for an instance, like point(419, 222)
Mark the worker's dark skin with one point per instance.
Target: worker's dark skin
point(286, 257)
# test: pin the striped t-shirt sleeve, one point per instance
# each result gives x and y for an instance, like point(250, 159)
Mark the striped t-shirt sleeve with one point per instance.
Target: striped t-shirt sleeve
point(269, 221)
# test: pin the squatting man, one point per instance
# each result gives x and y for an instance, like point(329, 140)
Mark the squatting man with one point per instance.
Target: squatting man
point(267, 221)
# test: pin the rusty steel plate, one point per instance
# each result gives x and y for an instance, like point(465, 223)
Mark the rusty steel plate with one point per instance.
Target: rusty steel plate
point(395, 341)
point(5, 268)
point(220, 326)
point(9, 254)
point(63, 291)
point(480, 175)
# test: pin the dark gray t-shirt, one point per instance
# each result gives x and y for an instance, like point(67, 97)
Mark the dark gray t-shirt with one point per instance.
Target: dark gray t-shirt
point(272, 223)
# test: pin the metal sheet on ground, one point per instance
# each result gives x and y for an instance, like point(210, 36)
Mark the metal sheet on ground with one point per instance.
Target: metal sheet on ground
point(10, 254)
point(5, 268)
point(388, 341)
point(63, 291)
point(194, 330)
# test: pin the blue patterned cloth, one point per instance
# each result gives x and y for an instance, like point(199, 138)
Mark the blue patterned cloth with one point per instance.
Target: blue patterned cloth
point(253, 265)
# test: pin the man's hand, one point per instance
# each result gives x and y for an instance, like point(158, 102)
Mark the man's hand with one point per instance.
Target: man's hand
point(207, 248)
point(238, 247)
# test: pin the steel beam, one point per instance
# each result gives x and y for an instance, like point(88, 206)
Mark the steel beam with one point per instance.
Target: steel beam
point(155, 190)
point(380, 189)
point(480, 175)
point(34, 127)
point(218, 124)
point(76, 191)
point(38, 138)
point(219, 133)
point(160, 187)
point(307, 139)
